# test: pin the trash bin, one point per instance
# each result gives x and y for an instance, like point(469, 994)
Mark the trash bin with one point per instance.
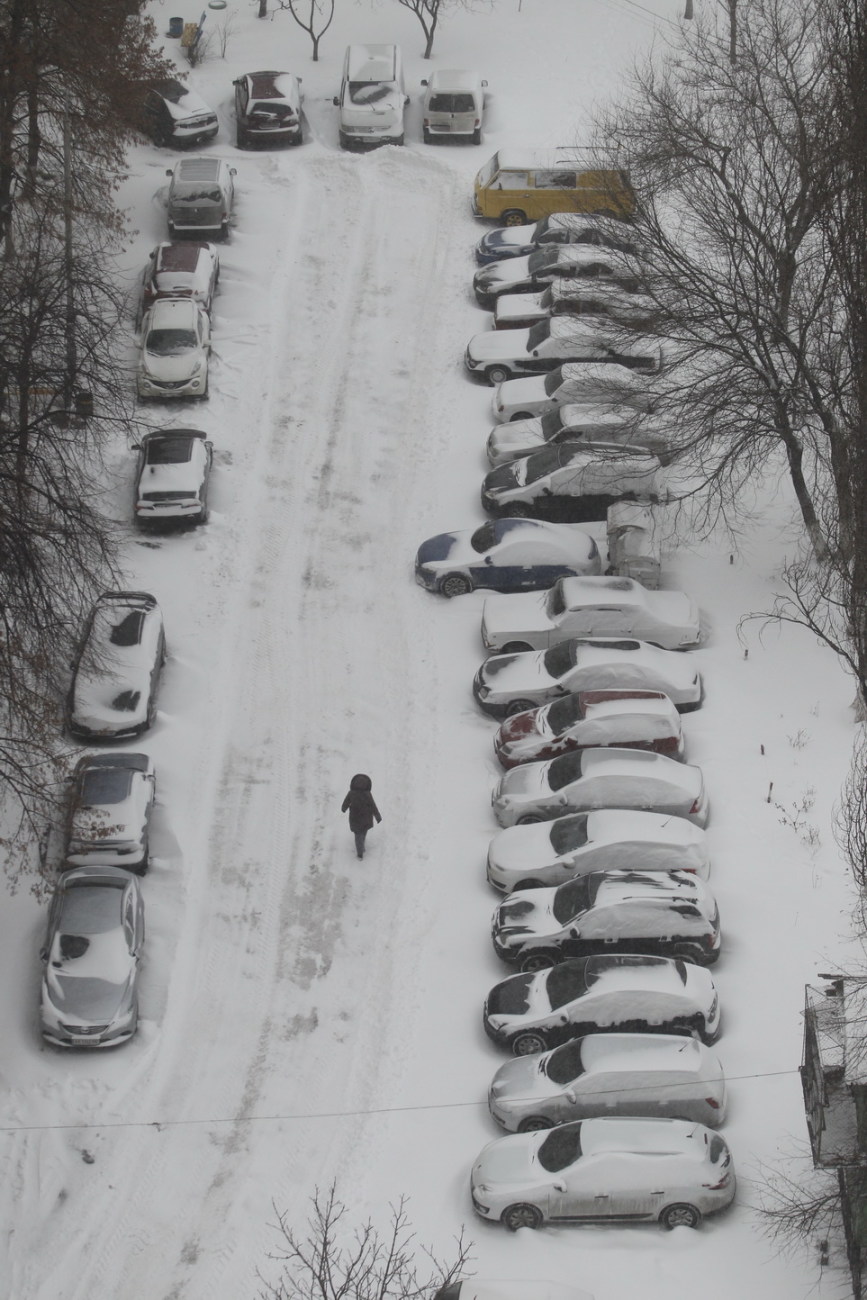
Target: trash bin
point(176, 27)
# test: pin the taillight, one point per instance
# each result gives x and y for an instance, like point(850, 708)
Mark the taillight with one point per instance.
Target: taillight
point(695, 807)
point(717, 1187)
point(712, 1102)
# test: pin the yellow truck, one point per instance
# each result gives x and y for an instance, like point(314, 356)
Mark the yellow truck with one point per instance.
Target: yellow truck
point(519, 186)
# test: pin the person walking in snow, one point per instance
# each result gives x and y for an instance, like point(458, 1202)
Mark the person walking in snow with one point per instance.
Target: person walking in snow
point(362, 809)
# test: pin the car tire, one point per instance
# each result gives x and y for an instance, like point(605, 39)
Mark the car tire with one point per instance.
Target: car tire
point(497, 375)
point(535, 1124)
point(529, 819)
point(529, 884)
point(691, 952)
point(521, 415)
point(513, 217)
point(543, 959)
point(522, 1215)
point(517, 510)
point(680, 1215)
point(519, 706)
point(514, 648)
point(528, 1043)
point(455, 584)
point(241, 140)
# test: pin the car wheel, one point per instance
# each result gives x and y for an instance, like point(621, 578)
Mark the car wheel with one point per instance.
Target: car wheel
point(513, 217)
point(528, 1043)
point(455, 584)
point(497, 374)
point(534, 1124)
point(141, 868)
point(520, 415)
point(692, 952)
point(521, 1216)
point(679, 1216)
point(517, 510)
point(542, 960)
point(514, 647)
point(529, 884)
point(241, 140)
point(519, 706)
point(528, 819)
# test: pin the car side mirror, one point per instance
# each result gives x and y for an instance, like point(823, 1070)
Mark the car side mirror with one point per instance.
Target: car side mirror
point(571, 1096)
point(136, 446)
point(43, 954)
point(424, 81)
point(168, 171)
point(559, 1187)
point(574, 933)
point(406, 99)
point(535, 352)
point(488, 559)
point(233, 171)
point(485, 84)
point(336, 101)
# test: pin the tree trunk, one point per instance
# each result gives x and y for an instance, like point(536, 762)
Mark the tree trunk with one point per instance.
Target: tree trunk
point(263, 9)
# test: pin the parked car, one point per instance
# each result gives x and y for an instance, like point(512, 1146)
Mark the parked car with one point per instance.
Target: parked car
point(547, 853)
point(175, 343)
point(453, 105)
point(634, 545)
point(621, 993)
point(516, 186)
point(666, 1170)
point(600, 778)
point(109, 814)
point(660, 1076)
point(590, 606)
point(174, 114)
point(201, 198)
point(372, 100)
point(567, 227)
point(90, 957)
point(267, 109)
point(666, 914)
point(483, 1288)
point(588, 300)
point(116, 672)
point(498, 355)
point(504, 555)
point(612, 425)
point(186, 270)
point(585, 382)
point(572, 484)
point(575, 261)
point(171, 484)
point(507, 684)
point(591, 720)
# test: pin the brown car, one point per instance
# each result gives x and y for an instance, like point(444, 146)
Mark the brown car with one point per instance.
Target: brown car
point(175, 270)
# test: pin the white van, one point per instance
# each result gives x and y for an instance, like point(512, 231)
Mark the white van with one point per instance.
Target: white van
point(454, 104)
point(372, 100)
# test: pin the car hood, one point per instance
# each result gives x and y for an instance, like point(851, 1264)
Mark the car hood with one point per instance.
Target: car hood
point(94, 986)
point(528, 911)
point(510, 237)
point(520, 613)
point(524, 782)
point(515, 673)
point(173, 368)
point(510, 270)
point(516, 306)
point(515, 439)
point(520, 1079)
point(523, 726)
point(499, 345)
point(509, 1160)
point(185, 476)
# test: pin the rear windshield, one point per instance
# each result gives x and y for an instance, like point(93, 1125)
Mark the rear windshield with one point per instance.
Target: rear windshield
point(575, 897)
point(568, 833)
point(561, 1148)
point(452, 103)
point(566, 982)
point(102, 785)
point(565, 1063)
point(195, 192)
point(169, 451)
point(128, 631)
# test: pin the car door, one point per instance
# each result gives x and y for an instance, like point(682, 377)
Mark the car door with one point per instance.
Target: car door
point(580, 1192)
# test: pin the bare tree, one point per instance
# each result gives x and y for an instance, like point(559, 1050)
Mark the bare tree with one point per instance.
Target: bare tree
point(429, 12)
point(330, 1261)
point(312, 16)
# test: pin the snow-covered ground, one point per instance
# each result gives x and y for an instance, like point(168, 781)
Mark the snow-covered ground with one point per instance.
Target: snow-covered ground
point(306, 1016)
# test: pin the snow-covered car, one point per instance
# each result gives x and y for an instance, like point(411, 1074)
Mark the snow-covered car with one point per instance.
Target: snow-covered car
point(663, 1076)
point(499, 355)
point(181, 270)
point(585, 299)
point(487, 1288)
point(175, 114)
point(575, 423)
point(267, 109)
point(116, 673)
point(171, 485)
point(504, 555)
point(90, 958)
point(584, 382)
point(548, 853)
point(622, 992)
point(670, 1171)
point(558, 228)
point(664, 913)
point(591, 720)
point(531, 274)
point(109, 811)
point(453, 105)
point(590, 606)
point(634, 543)
point(175, 342)
point(600, 778)
point(572, 483)
point(508, 684)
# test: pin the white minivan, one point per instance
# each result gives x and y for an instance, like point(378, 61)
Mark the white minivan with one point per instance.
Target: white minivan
point(372, 100)
point(454, 104)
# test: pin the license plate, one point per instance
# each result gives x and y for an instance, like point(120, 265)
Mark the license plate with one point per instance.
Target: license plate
point(81, 1040)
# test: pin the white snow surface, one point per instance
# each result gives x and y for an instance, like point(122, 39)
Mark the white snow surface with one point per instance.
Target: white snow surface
point(306, 1016)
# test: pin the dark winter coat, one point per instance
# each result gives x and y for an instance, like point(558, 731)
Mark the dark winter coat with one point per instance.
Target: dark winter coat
point(359, 801)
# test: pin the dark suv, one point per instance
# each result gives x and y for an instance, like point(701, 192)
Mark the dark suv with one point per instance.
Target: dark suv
point(173, 114)
point(268, 108)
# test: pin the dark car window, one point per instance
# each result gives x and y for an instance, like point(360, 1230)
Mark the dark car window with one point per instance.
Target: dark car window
point(368, 92)
point(574, 897)
point(169, 451)
point(451, 103)
point(169, 496)
point(565, 1063)
point(561, 1148)
point(542, 260)
point(90, 909)
point(565, 713)
point(129, 630)
point(169, 343)
point(542, 463)
point(104, 785)
point(541, 229)
point(556, 603)
point(484, 537)
point(568, 833)
point(538, 334)
point(566, 982)
point(560, 658)
point(564, 770)
point(269, 112)
point(126, 701)
point(171, 90)
point(718, 1150)
point(553, 380)
point(194, 192)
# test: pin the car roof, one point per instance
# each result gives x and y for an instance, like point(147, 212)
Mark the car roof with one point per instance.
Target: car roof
point(564, 158)
point(611, 761)
point(579, 591)
point(614, 825)
point(659, 705)
point(642, 1136)
point(615, 1052)
point(198, 169)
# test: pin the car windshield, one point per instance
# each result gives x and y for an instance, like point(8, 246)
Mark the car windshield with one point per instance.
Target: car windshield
point(565, 713)
point(560, 658)
point(553, 380)
point(564, 770)
point(90, 909)
point(542, 260)
point(538, 334)
point(566, 982)
point(105, 785)
point(552, 422)
point(195, 192)
point(369, 92)
point(170, 343)
point(561, 1148)
point(575, 897)
point(565, 1063)
point(555, 604)
point(452, 103)
point(541, 228)
point(484, 537)
point(568, 833)
point(169, 451)
point(542, 463)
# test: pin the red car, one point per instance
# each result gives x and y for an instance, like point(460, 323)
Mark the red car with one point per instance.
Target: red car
point(590, 720)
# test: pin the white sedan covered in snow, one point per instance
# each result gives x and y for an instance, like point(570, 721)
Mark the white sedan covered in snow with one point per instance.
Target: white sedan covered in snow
point(607, 839)
point(590, 606)
point(605, 1170)
point(575, 381)
point(586, 299)
point(499, 355)
point(657, 1075)
point(600, 778)
point(575, 422)
point(575, 261)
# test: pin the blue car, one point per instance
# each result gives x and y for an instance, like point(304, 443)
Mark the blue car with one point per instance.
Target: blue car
point(505, 555)
point(559, 228)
